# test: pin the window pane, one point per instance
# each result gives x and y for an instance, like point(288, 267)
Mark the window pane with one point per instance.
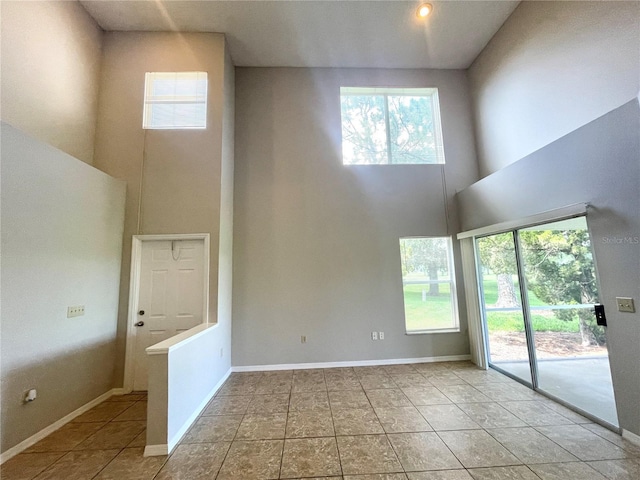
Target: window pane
point(423, 310)
point(429, 296)
point(172, 115)
point(364, 137)
point(390, 126)
point(175, 100)
point(412, 130)
point(161, 114)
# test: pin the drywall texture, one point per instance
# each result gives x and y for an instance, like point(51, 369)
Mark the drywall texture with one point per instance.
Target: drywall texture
point(61, 245)
point(598, 164)
point(316, 249)
point(173, 176)
point(51, 72)
point(551, 68)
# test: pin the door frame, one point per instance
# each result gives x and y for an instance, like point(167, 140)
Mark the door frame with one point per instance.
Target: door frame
point(134, 290)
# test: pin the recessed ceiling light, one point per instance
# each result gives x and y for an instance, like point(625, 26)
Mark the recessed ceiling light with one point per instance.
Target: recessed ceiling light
point(424, 10)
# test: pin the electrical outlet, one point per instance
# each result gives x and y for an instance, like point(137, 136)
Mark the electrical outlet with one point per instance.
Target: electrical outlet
point(303, 339)
point(374, 335)
point(221, 352)
point(75, 311)
point(625, 304)
point(381, 335)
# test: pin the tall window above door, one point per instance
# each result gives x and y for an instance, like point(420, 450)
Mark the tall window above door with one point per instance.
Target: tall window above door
point(175, 100)
point(390, 126)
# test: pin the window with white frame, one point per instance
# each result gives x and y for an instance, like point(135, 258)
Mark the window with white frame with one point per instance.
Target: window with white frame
point(175, 100)
point(390, 126)
point(428, 284)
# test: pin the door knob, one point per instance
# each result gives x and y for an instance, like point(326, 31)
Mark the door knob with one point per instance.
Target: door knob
point(141, 312)
point(139, 324)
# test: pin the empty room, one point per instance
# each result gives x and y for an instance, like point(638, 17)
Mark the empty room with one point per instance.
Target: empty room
point(320, 239)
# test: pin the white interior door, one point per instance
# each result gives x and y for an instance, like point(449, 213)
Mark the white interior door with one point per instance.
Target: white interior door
point(171, 296)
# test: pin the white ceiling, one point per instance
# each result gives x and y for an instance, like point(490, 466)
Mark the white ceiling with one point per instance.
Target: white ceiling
point(322, 33)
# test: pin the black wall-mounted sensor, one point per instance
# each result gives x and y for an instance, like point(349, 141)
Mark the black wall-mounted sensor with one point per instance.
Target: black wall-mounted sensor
point(601, 318)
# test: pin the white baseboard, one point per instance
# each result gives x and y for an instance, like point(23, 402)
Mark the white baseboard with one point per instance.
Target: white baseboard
point(357, 363)
point(632, 437)
point(119, 391)
point(166, 449)
point(33, 439)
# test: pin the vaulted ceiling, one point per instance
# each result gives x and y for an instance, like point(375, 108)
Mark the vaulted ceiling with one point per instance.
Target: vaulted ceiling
point(322, 33)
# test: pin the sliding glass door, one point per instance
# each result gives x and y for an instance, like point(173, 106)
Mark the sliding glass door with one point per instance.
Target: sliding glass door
point(539, 288)
point(502, 305)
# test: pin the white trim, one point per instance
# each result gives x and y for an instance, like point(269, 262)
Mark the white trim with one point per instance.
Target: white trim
point(430, 332)
point(156, 450)
point(119, 391)
point(166, 449)
point(357, 363)
point(475, 324)
point(35, 438)
point(134, 283)
point(180, 340)
point(632, 437)
point(570, 211)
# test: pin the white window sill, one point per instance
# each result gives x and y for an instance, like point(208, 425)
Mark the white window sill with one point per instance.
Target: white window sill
point(442, 330)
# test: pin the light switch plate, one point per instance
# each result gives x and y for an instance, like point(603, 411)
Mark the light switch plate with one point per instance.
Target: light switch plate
point(625, 304)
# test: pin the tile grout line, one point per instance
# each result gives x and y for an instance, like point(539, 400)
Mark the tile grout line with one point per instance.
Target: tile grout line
point(284, 440)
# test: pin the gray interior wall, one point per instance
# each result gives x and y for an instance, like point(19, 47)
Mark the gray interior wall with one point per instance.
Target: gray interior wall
point(173, 176)
point(597, 164)
point(551, 68)
point(61, 245)
point(316, 249)
point(51, 72)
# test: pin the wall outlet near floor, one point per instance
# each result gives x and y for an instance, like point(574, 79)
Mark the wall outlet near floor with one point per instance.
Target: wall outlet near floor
point(75, 311)
point(374, 335)
point(625, 304)
point(303, 339)
point(221, 352)
point(381, 335)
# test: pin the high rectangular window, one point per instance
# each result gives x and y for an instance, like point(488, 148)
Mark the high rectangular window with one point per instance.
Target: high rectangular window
point(175, 100)
point(385, 126)
point(428, 282)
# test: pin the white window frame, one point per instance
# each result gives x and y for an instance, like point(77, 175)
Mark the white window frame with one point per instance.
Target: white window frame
point(455, 320)
point(385, 92)
point(150, 100)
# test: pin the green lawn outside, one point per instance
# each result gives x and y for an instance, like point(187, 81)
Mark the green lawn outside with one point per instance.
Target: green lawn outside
point(513, 321)
point(435, 312)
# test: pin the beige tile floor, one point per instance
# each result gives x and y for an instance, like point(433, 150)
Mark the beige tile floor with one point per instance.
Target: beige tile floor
point(445, 421)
